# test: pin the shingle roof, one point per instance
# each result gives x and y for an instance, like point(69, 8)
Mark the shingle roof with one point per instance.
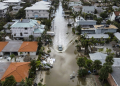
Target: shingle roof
point(2, 45)
point(28, 47)
point(18, 69)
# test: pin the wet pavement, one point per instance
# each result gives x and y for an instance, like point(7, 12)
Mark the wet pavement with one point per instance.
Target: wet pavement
point(63, 33)
point(65, 63)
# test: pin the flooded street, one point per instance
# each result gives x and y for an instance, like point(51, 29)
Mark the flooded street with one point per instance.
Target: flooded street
point(63, 34)
point(65, 63)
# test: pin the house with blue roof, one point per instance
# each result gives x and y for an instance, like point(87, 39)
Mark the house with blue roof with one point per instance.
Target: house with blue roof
point(23, 28)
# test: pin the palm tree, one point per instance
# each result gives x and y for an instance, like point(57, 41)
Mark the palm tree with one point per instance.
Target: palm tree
point(12, 56)
point(108, 51)
point(109, 59)
point(97, 64)
point(80, 62)
point(88, 64)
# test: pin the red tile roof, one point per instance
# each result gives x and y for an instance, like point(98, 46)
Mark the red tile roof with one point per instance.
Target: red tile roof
point(28, 47)
point(2, 45)
point(18, 69)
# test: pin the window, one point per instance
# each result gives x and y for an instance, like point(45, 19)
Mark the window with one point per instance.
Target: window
point(26, 33)
point(15, 34)
point(39, 10)
point(21, 34)
point(27, 14)
point(32, 10)
point(25, 28)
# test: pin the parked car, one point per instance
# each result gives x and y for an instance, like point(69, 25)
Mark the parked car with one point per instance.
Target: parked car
point(60, 48)
point(8, 58)
point(1, 57)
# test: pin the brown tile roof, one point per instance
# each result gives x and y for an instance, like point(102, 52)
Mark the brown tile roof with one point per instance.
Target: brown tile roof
point(117, 13)
point(2, 45)
point(18, 69)
point(28, 47)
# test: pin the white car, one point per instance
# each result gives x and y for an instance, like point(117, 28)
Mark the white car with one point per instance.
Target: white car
point(1, 57)
point(8, 58)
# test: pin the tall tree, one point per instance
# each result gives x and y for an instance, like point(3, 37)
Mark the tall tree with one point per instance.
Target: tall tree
point(80, 62)
point(109, 59)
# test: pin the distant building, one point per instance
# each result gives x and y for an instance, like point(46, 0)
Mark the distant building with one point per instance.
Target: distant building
point(115, 16)
point(3, 9)
point(23, 28)
point(88, 9)
point(71, 4)
point(38, 10)
point(13, 2)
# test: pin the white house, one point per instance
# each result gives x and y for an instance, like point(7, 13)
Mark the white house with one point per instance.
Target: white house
point(88, 9)
point(38, 10)
point(71, 4)
point(117, 35)
point(28, 48)
point(87, 25)
point(23, 28)
point(100, 29)
point(16, 8)
point(3, 9)
point(13, 2)
point(114, 15)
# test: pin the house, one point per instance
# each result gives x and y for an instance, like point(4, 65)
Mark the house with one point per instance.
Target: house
point(20, 70)
point(101, 56)
point(12, 47)
point(117, 35)
point(2, 45)
point(114, 78)
point(98, 36)
point(28, 48)
point(16, 8)
point(77, 8)
point(13, 2)
point(38, 10)
point(86, 25)
point(23, 28)
point(115, 16)
point(88, 9)
point(100, 29)
point(3, 9)
point(71, 4)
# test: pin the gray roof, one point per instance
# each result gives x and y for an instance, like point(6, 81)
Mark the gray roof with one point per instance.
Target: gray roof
point(9, 23)
point(88, 7)
point(12, 46)
point(97, 35)
point(117, 35)
point(101, 56)
point(3, 68)
point(116, 75)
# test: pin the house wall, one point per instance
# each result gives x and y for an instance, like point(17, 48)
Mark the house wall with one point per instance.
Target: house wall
point(111, 81)
point(88, 31)
point(3, 12)
point(37, 14)
point(26, 53)
point(112, 17)
point(16, 31)
point(1, 53)
point(99, 31)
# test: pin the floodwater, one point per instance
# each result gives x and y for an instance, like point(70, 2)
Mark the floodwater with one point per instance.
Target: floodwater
point(63, 34)
point(65, 63)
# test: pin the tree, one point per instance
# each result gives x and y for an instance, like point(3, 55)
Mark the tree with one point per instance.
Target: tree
point(109, 59)
point(95, 12)
point(12, 56)
point(31, 37)
point(108, 21)
point(26, 82)
point(88, 64)
point(80, 62)
point(108, 51)
point(104, 15)
point(97, 64)
point(82, 72)
point(9, 81)
point(78, 28)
